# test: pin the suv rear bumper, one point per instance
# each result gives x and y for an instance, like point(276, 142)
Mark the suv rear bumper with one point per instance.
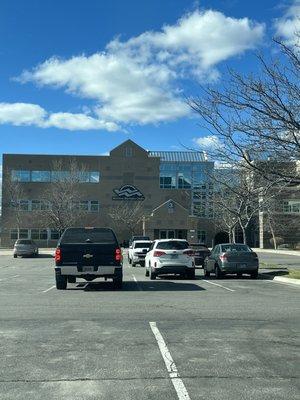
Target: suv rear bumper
point(79, 271)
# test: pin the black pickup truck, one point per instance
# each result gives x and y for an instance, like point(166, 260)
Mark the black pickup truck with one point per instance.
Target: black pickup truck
point(88, 253)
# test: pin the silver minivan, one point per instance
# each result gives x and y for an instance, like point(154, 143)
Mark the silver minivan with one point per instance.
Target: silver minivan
point(25, 247)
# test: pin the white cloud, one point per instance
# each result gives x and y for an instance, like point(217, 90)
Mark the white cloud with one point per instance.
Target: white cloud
point(21, 114)
point(138, 81)
point(207, 142)
point(289, 24)
point(34, 115)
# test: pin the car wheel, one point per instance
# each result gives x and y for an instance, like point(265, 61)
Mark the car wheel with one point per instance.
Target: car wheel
point(147, 272)
point(218, 272)
point(130, 261)
point(15, 256)
point(133, 264)
point(206, 273)
point(118, 282)
point(61, 282)
point(254, 274)
point(190, 274)
point(152, 275)
point(72, 279)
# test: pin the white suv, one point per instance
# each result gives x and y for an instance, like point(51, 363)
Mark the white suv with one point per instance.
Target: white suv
point(170, 256)
point(137, 252)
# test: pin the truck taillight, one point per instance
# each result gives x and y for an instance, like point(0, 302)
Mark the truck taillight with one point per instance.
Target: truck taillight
point(223, 257)
point(189, 253)
point(158, 253)
point(57, 254)
point(118, 255)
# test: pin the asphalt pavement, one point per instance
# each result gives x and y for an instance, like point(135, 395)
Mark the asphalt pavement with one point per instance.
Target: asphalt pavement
point(165, 339)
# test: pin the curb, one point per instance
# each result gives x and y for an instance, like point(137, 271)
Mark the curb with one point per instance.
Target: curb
point(287, 280)
point(271, 251)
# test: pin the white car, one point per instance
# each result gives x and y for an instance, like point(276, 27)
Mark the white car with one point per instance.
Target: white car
point(170, 256)
point(137, 252)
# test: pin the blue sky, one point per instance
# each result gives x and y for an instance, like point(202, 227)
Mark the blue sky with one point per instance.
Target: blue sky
point(80, 77)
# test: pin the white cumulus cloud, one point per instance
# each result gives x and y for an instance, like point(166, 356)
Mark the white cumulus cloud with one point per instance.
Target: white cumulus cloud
point(140, 80)
point(32, 114)
point(209, 142)
point(288, 26)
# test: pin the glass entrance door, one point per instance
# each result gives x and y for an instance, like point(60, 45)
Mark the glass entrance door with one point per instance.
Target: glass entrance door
point(167, 234)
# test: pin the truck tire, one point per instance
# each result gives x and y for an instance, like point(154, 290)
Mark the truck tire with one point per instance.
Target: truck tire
point(254, 274)
point(61, 282)
point(206, 273)
point(190, 274)
point(147, 272)
point(72, 279)
point(15, 256)
point(118, 282)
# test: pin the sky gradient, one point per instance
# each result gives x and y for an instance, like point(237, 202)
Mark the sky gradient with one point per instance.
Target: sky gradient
point(80, 77)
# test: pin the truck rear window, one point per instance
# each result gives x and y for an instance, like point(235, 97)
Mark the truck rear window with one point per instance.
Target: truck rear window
point(142, 245)
point(88, 235)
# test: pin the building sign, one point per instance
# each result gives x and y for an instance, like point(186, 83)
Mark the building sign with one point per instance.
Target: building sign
point(128, 192)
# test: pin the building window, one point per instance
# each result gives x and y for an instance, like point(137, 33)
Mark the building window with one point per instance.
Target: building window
point(39, 234)
point(40, 176)
point(94, 177)
point(94, 206)
point(291, 206)
point(20, 176)
point(128, 152)
point(54, 234)
point(24, 205)
point(201, 236)
point(14, 234)
point(24, 234)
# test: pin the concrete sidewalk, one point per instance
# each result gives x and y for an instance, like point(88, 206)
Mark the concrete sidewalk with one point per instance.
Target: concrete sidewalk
point(272, 251)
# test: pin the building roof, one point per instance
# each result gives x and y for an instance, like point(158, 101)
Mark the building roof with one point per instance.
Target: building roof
point(179, 156)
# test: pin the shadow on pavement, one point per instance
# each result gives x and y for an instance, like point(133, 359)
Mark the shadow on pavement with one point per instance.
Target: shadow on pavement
point(151, 286)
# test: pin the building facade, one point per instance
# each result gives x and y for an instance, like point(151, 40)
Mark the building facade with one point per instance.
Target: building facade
point(173, 190)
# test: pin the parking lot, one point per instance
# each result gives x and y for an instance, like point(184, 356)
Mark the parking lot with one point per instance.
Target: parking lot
point(164, 339)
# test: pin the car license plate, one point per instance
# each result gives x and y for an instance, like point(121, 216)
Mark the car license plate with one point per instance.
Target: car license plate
point(88, 269)
point(243, 265)
point(172, 256)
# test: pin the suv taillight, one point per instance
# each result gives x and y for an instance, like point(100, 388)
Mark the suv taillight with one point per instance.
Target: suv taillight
point(223, 257)
point(118, 255)
point(158, 253)
point(57, 254)
point(189, 253)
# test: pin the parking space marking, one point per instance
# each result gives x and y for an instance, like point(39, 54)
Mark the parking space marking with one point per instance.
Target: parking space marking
point(137, 283)
point(178, 384)
point(15, 276)
point(50, 288)
point(217, 284)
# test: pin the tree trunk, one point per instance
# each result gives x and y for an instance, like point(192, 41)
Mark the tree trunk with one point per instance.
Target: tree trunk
point(244, 235)
point(273, 235)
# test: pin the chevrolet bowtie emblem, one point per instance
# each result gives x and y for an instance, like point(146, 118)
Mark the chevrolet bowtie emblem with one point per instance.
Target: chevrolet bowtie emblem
point(88, 255)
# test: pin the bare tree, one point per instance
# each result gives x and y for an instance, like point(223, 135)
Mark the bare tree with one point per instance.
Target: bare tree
point(63, 196)
point(14, 197)
point(127, 215)
point(257, 117)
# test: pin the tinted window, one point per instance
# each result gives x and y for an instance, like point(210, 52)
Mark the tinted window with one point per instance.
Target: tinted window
point(140, 238)
point(24, 241)
point(198, 246)
point(142, 245)
point(86, 235)
point(235, 247)
point(173, 245)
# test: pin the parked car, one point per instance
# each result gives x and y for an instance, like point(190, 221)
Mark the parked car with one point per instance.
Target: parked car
point(170, 256)
point(201, 251)
point(228, 258)
point(88, 253)
point(137, 252)
point(135, 237)
point(25, 247)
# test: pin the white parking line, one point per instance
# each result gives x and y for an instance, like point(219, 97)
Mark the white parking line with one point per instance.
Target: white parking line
point(181, 391)
point(217, 284)
point(50, 288)
point(15, 276)
point(136, 281)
